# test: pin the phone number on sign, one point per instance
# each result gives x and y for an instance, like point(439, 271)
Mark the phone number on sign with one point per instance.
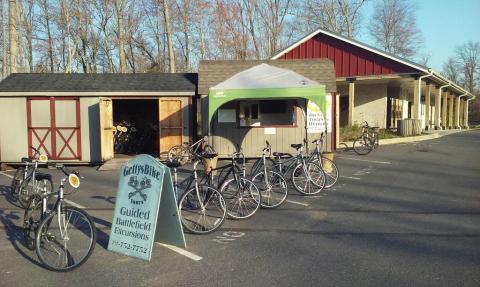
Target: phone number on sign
point(129, 246)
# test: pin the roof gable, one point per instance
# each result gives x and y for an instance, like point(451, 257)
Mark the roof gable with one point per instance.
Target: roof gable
point(351, 58)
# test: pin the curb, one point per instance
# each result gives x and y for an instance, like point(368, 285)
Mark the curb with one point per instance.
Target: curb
point(417, 138)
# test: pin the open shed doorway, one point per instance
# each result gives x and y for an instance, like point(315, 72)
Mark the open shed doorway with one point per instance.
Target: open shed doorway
point(136, 122)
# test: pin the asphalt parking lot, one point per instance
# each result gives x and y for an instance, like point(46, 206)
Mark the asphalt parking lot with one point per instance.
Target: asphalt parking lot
point(405, 215)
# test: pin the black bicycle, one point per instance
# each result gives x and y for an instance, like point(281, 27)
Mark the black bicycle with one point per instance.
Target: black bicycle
point(367, 141)
point(328, 166)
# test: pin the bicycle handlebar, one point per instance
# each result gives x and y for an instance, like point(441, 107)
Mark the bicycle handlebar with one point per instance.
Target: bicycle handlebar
point(64, 169)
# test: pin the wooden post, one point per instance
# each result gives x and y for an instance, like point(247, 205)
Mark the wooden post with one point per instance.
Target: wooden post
point(416, 99)
point(351, 101)
point(457, 113)
point(444, 110)
point(450, 111)
point(337, 120)
point(427, 105)
point(436, 116)
point(465, 114)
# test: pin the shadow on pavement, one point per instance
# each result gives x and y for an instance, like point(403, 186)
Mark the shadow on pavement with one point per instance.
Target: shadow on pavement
point(14, 234)
point(5, 191)
point(102, 236)
point(110, 199)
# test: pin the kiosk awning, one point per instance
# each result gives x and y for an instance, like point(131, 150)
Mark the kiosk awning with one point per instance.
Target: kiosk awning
point(265, 82)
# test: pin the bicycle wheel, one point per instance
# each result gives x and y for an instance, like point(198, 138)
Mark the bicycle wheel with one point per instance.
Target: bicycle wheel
point(202, 211)
point(363, 145)
point(65, 241)
point(26, 189)
point(331, 171)
point(17, 177)
point(273, 188)
point(309, 178)
point(32, 217)
point(242, 198)
point(179, 153)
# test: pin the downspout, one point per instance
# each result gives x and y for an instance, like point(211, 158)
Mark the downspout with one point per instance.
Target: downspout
point(466, 120)
point(458, 109)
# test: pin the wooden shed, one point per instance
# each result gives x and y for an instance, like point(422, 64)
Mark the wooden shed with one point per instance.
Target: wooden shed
point(73, 117)
point(249, 102)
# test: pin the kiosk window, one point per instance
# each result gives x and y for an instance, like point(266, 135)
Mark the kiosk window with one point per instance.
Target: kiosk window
point(266, 113)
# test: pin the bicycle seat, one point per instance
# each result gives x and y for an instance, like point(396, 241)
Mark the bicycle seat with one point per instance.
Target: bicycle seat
point(296, 146)
point(173, 164)
point(281, 154)
point(42, 176)
point(26, 159)
point(209, 155)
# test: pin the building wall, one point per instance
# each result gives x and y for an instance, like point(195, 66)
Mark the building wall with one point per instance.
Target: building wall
point(370, 103)
point(13, 129)
point(225, 136)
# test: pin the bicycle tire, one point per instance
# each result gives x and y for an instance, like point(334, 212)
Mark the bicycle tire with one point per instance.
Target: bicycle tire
point(242, 198)
point(179, 153)
point(193, 218)
point(32, 217)
point(362, 145)
point(17, 177)
point(331, 171)
point(309, 180)
point(26, 190)
point(273, 191)
point(47, 243)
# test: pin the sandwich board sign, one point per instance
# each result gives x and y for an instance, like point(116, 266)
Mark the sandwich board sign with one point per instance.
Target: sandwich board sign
point(146, 209)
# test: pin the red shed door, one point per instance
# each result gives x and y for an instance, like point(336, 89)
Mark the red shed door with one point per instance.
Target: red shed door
point(54, 127)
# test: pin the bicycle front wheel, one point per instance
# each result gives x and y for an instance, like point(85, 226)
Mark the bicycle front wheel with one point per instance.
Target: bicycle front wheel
point(242, 198)
point(273, 188)
point(65, 241)
point(16, 181)
point(28, 188)
point(308, 178)
point(202, 210)
point(363, 145)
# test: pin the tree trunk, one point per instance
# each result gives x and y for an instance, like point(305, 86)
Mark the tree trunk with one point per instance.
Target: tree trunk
point(168, 27)
point(13, 43)
point(4, 42)
point(119, 7)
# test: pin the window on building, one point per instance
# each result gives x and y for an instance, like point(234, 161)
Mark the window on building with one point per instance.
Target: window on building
point(266, 113)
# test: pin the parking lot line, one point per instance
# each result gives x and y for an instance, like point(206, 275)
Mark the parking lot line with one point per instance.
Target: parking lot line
point(372, 161)
point(66, 200)
point(350, 177)
point(182, 251)
point(297, 202)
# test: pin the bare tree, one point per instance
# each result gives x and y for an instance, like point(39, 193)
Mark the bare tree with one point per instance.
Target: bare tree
point(393, 26)
point(12, 16)
point(339, 16)
point(168, 29)
point(451, 69)
point(119, 8)
point(468, 56)
point(4, 42)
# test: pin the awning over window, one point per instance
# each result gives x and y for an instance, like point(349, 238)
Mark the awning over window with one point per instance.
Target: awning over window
point(265, 82)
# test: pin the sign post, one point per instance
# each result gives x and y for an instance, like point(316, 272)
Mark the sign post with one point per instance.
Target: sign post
point(145, 210)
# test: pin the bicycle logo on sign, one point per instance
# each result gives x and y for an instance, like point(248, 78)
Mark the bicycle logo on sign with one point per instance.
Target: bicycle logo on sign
point(139, 189)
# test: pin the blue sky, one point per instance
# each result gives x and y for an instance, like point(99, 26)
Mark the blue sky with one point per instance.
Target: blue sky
point(445, 24)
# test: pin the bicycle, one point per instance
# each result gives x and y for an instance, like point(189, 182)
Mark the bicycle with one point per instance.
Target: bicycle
point(27, 181)
point(63, 236)
point(328, 166)
point(201, 208)
point(367, 141)
point(186, 152)
point(307, 177)
point(273, 187)
point(242, 197)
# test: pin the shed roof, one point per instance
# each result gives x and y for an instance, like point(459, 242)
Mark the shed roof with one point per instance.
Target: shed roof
point(212, 73)
point(48, 82)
